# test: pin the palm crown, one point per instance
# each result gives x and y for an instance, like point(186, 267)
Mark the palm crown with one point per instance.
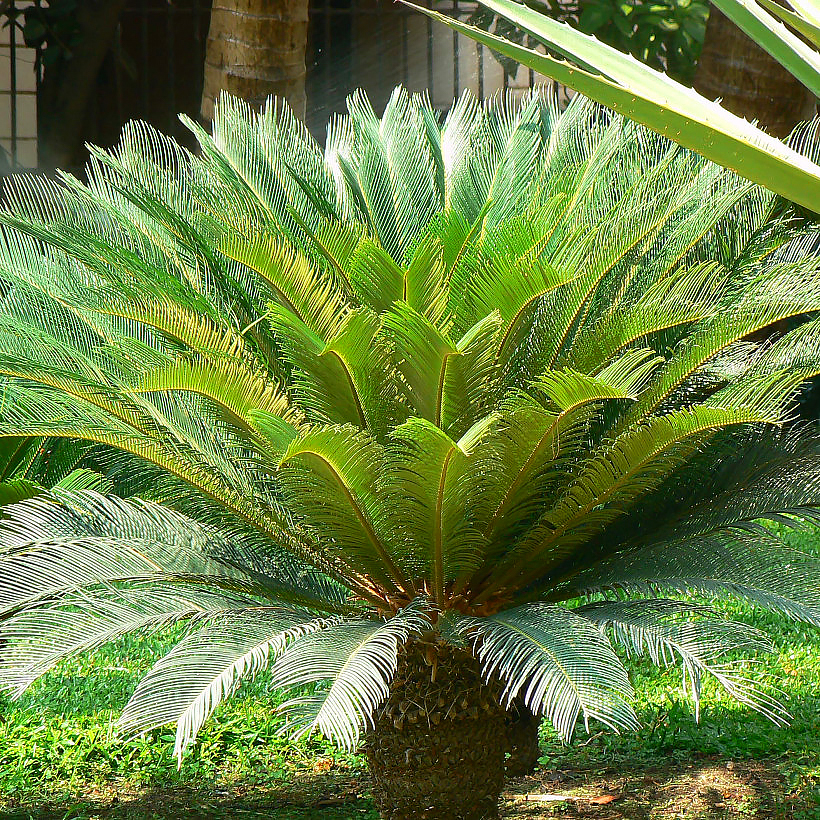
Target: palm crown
point(440, 378)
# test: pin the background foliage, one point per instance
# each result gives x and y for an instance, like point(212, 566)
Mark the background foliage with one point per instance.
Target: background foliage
point(665, 34)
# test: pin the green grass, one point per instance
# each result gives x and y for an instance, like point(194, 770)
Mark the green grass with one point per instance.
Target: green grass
point(59, 743)
point(60, 758)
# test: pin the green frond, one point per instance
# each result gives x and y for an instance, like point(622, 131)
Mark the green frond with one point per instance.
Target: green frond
point(429, 475)
point(633, 465)
point(623, 378)
point(557, 662)
point(669, 631)
point(16, 455)
point(534, 443)
point(422, 355)
point(82, 480)
point(394, 178)
point(685, 296)
point(17, 489)
point(36, 640)
point(510, 270)
point(230, 384)
point(208, 665)
point(777, 293)
point(376, 279)
point(425, 283)
point(85, 540)
point(755, 566)
point(313, 297)
point(327, 475)
point(472, 378)
point(506, 168)
point(263, 165)
point(355, 660)
point(441, 375)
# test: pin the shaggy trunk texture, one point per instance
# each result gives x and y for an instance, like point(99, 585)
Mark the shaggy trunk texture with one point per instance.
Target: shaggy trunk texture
point(750, 82)
point(256, 48)
point(436, 751)
point(522, 740)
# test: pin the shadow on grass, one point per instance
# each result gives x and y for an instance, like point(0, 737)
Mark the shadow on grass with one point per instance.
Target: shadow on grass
point(703, 790)
point(329, 797)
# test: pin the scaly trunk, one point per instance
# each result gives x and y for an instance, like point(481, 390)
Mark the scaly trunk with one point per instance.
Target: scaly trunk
point(436, 751)
point(522, 740)
point(750, 82)
point(256, 48)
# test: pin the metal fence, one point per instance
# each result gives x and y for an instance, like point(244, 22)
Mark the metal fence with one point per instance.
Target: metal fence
point(376, 45)
point(154, 70)
point(18, 99)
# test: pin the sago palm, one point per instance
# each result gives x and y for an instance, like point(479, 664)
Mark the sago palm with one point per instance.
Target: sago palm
point(424, 423)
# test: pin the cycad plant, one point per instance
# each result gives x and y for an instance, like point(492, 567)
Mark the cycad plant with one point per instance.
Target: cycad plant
point(424, 423)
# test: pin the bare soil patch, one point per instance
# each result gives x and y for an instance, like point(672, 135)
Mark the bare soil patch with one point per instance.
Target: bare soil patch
point(706, 790)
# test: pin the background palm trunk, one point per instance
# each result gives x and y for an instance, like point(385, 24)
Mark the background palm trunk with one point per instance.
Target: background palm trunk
point(256, 48)
point(750, 82)
point(436, 751)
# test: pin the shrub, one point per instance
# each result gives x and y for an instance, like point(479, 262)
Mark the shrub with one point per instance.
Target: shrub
point(392, 407)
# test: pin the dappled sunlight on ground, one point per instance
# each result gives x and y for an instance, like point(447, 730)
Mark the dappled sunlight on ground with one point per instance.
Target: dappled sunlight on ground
point(685, 791)
point(710, 790)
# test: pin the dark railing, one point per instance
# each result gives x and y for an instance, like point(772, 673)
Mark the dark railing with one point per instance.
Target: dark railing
point(18, 96)
point(154, 70)
point(377, 44)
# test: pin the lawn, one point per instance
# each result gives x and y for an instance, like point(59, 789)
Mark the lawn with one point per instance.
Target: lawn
point(59, 757)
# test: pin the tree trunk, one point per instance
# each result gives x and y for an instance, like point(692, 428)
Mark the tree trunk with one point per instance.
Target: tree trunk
point(69, 84)
point(522, 740)
point(436, 751)
point(750, 82)
point(256, 48)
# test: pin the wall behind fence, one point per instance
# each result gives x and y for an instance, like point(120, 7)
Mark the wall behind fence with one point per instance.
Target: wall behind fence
point(18, 100)
point(377, 45)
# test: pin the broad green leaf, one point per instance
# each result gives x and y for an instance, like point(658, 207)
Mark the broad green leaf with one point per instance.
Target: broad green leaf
point(803, 25)
point(809, 9)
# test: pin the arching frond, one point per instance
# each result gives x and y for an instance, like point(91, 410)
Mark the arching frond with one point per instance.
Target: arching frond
point(755, 566)
point(356, 661)
point(558, 662)
point(441, 375)
point(670, 631)
point(208, 666)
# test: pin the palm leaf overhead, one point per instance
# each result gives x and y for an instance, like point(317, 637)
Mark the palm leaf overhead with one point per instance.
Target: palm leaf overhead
point(652, 98)
point(426, 385)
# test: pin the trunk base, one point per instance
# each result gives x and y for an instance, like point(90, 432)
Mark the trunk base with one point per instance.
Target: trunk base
point(436, 751)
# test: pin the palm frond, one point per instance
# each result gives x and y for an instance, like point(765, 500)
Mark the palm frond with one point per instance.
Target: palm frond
point(356, 660)
point(557, 662)
point(669, 631)
point(441, 375)
point(755, 566)
point(209, 665)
